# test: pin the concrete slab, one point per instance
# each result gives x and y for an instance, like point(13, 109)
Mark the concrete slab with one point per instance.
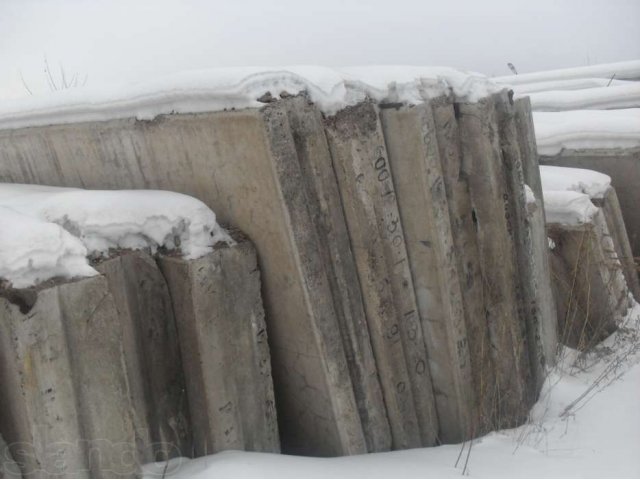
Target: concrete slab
point(66, 410)
point(615, 223)
point(377, 239)
point(591, 292)
point(465, 243)
point(223, 338)
point(410, 137)
point(535, 298)
point(243, 165)
point(491, 202)
point(324, 200)
point(152, 355)
point(540, 266)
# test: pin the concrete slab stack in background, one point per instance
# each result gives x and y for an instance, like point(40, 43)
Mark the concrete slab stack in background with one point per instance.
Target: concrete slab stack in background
point(591, 292)
point(402, 272)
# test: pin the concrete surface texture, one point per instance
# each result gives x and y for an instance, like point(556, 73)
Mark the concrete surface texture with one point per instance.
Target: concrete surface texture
point(223, 337)
point(492, 203)
point(622, 165)
point(367, 191)
point(66, 410)
point(243, 165)
point(152, 355)
point(8, 467)
point(403, 276)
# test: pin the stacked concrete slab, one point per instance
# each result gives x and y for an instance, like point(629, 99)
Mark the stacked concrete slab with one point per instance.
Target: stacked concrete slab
point(591, 292)
point(397, 255)
point(223, 339)
point(621, 164)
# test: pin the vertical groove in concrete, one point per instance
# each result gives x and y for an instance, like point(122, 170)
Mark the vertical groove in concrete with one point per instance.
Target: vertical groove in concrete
point(411, 142)
point(105, 411)
point(482, 163)
point(465, 244)
point(152, 356)
point(220, 322)
point(366, 186)
point(34, 358)
point(324, 200)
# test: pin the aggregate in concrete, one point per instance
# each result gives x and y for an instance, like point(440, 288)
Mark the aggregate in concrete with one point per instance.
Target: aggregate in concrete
point(411, 142)
point(152, 355)
point(8, 467)
point(66, 409)
point(225, 356)
point(367, 191)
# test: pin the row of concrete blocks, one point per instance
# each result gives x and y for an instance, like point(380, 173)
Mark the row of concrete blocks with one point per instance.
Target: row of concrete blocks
point(593, 274)
point(406, 284)
point(143, 363)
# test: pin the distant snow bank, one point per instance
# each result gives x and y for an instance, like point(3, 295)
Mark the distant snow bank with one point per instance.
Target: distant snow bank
point(235, 88)
point(586, 129)
point(600, 98)
point(48, 231)
point(568, 85)
point(629, 70)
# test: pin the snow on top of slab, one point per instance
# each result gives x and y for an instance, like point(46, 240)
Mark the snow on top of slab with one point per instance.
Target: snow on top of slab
point(629, 70)
point(99, 220)
point(601, 98)
point(32, 251)
point(589, 182)
point(586, 129)
point(236, 88)
point(567, 85)
point(568, 207)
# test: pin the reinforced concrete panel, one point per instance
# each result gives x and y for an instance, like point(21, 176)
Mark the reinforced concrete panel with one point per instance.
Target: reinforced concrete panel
point(412, 146)
point(366, 188)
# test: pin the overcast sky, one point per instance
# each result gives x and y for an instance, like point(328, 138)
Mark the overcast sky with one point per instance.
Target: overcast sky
point(122, 41)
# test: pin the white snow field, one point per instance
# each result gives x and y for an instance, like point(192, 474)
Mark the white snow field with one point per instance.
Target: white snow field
point(586, 129)
point(567, 85)
point(48, 231)
point(585, 425)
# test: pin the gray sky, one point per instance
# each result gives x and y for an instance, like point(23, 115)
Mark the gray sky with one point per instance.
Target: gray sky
point(121, 41)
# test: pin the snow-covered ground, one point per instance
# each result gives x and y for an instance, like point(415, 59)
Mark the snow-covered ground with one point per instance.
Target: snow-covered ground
point(49, 231)
point(585, 424)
